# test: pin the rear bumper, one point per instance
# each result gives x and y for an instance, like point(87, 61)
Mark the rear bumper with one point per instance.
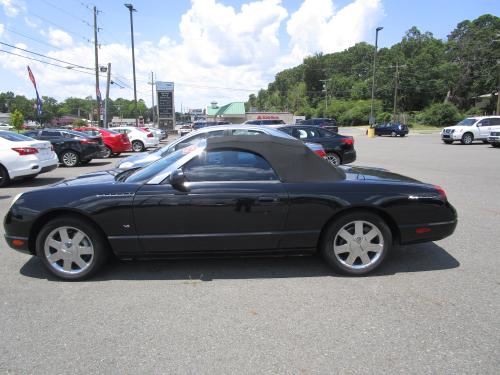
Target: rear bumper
point(120, 147)
point(349, 157)
point(151, 142)
point(29, 168)
point(49, 164)
point(23, 248)
point(426, 232)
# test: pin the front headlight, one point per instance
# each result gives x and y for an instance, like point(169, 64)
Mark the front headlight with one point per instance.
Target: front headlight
point(15, 199)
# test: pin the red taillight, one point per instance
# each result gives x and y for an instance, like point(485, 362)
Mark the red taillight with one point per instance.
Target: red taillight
point(88, 140)
point(348, 141)
point(25, 150)
point(150, 135)
point(441, 192)
point(320, 153)
point(423, 230)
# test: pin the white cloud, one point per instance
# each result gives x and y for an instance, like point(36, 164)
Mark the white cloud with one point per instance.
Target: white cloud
point(318, 27)
point(219, 46)
point(31, 22)
point(12, 8)
point(60, 38)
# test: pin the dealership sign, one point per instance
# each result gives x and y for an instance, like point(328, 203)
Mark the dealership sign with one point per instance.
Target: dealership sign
point(165, 100)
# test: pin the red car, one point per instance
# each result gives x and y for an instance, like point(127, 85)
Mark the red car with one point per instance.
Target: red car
point(115, 142)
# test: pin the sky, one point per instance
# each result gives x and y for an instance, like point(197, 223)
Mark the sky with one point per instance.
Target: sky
point(213, 50)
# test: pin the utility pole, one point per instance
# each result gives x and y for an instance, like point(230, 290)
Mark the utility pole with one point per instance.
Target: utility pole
point(396, 87)
point(131, 9)
point(372, 120)
point(108, 81)
point(97, 91)
point(325, 90)
point(152, 98)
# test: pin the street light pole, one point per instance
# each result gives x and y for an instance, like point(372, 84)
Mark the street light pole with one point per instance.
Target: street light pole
point(131, 9)
point(372, 120)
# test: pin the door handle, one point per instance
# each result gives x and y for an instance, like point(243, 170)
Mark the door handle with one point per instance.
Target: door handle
point(268, 199)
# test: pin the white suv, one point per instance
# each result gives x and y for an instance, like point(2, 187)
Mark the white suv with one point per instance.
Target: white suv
point(471, 129)
point(140, 138)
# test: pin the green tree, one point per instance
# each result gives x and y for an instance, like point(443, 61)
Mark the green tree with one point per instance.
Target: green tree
point(17, 120)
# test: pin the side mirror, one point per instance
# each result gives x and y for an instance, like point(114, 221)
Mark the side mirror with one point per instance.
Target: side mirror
point(177, 180)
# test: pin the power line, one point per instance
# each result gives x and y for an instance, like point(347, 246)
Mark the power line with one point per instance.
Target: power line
point(68, 13)
point(60, 27)
point(31, 38)
point(44, 56)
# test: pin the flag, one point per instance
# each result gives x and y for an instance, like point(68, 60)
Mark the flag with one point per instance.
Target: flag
point(98, 95)
point(38, 100)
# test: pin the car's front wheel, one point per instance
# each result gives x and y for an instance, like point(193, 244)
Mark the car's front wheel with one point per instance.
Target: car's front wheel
point(356, 243)
point(71, 248)
point(467, 139)
point(70, 158)
point(333, 158)
point(137, 146)
point(393, 134)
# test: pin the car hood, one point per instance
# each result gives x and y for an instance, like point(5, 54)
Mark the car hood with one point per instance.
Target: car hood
point(140, 160)
point(375, 174)
point(90, 178)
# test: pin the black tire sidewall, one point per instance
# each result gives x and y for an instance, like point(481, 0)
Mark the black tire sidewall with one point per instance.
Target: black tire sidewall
point(101, 251)
point(137, 142)
point(70, 152)
point(326, 245)
point(5, 176)
point(110, 153)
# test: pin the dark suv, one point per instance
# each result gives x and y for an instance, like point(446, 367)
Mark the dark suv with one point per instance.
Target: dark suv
point(339, 148)
point(71, 147)
point(325, 123)
point(392, 129)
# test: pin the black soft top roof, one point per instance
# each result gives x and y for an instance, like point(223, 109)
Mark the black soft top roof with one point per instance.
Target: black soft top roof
point(292, 160)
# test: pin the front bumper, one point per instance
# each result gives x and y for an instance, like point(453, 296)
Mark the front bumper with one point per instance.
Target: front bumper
point(349, 157)
point(22, 248)
point(494, 140)
point(451, 136)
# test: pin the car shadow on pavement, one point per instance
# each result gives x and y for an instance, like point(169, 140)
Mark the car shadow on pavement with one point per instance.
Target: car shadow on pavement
point(415, 258)
point(94, 164)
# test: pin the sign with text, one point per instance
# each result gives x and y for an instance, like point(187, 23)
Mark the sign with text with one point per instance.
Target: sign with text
point(164, 86)
point(165, 100)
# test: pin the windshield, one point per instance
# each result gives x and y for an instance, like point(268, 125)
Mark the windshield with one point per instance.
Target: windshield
point(14, 137)
point(467, 122)
point(148, 172)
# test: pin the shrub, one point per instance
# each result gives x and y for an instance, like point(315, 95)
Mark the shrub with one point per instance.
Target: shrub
point(17, 120)
point(440, 114)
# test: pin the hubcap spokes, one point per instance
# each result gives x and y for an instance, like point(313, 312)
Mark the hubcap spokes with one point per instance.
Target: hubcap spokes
point(332, 159)
point(358, 244)
point(69, 159)
point(68, 250)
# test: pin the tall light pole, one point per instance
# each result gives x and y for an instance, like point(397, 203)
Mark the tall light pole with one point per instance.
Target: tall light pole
point(372, 120)
point(131, 9)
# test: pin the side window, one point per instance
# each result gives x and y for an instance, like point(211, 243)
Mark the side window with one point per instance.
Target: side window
point(228, 165)
point(495, 121)
point(312, 133)
point(246, 132)
point(485, 122)
point(49, 133)
point(68, 135)
point(286, 130)
point(324, 133)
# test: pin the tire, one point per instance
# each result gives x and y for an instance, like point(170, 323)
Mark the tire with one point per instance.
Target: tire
point(137, 146)
point(402, 135)
point(4, 176)
point(393, 134)
point(485, 142)
point(467, 139)
point(59, 254)
point(70, 158)
point(108, 153)
point(117, 154)
point(496, 145)
point(448, 142)
point(356, 259)
point(333, 158)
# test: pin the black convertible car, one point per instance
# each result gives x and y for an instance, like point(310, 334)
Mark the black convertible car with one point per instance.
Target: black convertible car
point(240, 195)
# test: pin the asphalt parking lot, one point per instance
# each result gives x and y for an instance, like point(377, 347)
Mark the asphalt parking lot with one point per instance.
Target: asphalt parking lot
point(432, 308)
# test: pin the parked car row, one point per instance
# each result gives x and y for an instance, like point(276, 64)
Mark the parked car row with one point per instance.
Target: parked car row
point(474, 129)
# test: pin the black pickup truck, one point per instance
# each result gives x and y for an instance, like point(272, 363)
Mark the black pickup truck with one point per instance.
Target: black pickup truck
point(71, 147)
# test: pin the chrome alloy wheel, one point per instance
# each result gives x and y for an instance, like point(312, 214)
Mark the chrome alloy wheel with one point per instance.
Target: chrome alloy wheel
point(332, 159)
point(68, 250)
point(70, 159)
point(358, 244)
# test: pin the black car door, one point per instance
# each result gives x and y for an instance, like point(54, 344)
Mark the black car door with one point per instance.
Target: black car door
point(233, 201)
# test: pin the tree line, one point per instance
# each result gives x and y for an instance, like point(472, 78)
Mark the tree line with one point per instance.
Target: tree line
point(81, 108)
point(437, 80)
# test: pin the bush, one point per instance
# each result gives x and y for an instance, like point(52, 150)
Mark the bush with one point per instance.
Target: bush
point(78, 123)
point(352, 112)
point(17, 120)
point(439, 114)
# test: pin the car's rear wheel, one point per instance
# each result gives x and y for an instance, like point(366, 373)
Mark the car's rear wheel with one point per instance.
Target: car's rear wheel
point(4, 176)
point(117, 154)
point(393, 134)
point(356, 243)
point(137, 146)
point(70, 158)
point(495, 144)
point(107, 152)
point(448, 142)
point(467, 139)
point(71, 248)
point(333, 158)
